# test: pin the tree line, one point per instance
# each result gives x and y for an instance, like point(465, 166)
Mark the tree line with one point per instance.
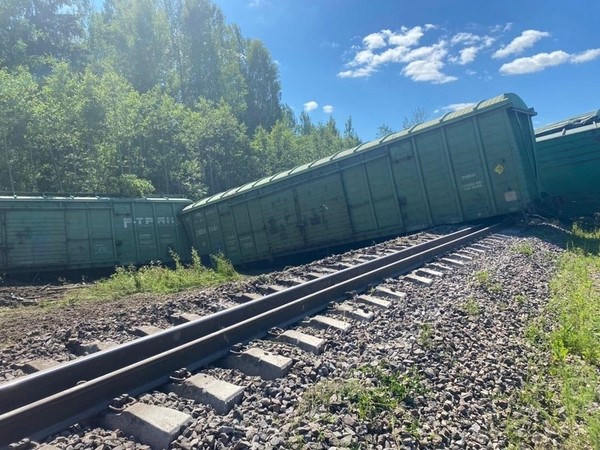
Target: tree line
point(143, 97)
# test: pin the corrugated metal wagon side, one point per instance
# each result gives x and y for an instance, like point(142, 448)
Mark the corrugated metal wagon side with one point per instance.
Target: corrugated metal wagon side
point(568, 158)
point(62, 233)
point(474, 163)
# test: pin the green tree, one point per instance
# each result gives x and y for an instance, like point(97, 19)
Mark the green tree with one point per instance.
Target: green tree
point(351, 139)
point(220, 146)
point(233, 79)
point(132, 37)
point(168, 145)
point(18, 95)
point(264, 90)
point(383, 130)
point(202, 27)
point(33, 32)
point(305, 125)
point(276, 150)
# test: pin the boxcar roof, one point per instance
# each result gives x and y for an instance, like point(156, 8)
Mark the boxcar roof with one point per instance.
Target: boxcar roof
point(568, 131)
point(45, 198)
point(564, 126)
point(503, 100)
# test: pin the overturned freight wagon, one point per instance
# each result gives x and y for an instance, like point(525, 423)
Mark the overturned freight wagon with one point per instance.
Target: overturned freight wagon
point(62, 233)
point(568, 159)
point(474, 163)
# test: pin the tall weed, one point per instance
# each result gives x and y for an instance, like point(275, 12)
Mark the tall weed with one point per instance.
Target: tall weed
point(158, 279)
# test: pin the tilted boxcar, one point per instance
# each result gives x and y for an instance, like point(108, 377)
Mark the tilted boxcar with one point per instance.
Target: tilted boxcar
point(568, 158)
point(474, 163)
point(61, 233)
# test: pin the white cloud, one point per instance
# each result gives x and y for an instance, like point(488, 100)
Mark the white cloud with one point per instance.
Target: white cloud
point(541, 61)
point(485, 76)
point(453, 107)
point(358, 73)
point(472, 43)
point(375, 40)
point(408, 37)
point(501, 28)
point(527, 39)
point(310, 106)
point(534, 63)
point(468, 55)
point(426, 64)
point(387, 47)
point(381, 48)
point(329, 44)
point(586, 56)
point(465, 38)
point(328, 109)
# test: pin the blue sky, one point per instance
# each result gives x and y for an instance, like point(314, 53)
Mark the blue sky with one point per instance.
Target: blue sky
point(379, 60)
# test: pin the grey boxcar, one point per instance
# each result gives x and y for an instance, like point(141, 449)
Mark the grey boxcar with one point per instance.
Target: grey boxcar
point(58, 233)
point(474, 163)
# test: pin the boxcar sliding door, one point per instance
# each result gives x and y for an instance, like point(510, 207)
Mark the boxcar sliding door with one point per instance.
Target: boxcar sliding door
point(323, 210)
point(281, 219)
point(413, 202)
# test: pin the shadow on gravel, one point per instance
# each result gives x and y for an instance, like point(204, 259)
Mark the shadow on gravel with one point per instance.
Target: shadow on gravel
point(580, 235)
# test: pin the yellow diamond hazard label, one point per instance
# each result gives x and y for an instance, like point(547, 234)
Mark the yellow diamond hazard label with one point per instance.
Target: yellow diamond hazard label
point(499, 169)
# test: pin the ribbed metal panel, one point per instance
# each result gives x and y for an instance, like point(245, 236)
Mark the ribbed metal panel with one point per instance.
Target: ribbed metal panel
point(568, 162)
point(283, 227)
point(259, 231)
point(57, 233)
point(499, 102)
point(468, 170)
point(413, 202)
point(435, 170)
point(383, 195)
point(477, 162)
point(359, 204)
point(323, 213)
point(36, 238)
point(500, 151)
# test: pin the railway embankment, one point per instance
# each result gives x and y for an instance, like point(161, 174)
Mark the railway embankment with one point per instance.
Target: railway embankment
point(482, 357)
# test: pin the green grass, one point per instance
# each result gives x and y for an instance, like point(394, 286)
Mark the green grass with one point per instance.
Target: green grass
point(485, 280)
point(565, 391)
point(483, 277)
point(378, 396)
point(157, 279)
point(525, 249)
point(426, 335)
point(471, 307)
point(585, 239)
point(576, 302)
point(520, 299)
point(371, 391)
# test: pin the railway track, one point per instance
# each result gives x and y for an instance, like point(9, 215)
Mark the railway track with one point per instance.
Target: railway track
point(48, 401)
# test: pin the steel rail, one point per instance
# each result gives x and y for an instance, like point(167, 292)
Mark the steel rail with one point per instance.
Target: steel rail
point(59, 398)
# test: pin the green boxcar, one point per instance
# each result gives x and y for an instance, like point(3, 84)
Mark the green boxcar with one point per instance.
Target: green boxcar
point(62, 233)
point(474, 163)
point(568, 158)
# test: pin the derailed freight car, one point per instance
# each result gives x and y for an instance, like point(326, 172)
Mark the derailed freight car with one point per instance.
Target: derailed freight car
point(470, 164)
point(568, 158)
point(62, 233)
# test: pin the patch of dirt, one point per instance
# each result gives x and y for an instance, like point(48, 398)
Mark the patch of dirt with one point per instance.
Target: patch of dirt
point(29, 310)
point(16, 296)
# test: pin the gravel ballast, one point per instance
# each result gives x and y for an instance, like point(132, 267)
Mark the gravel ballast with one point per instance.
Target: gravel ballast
point(460, 345)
